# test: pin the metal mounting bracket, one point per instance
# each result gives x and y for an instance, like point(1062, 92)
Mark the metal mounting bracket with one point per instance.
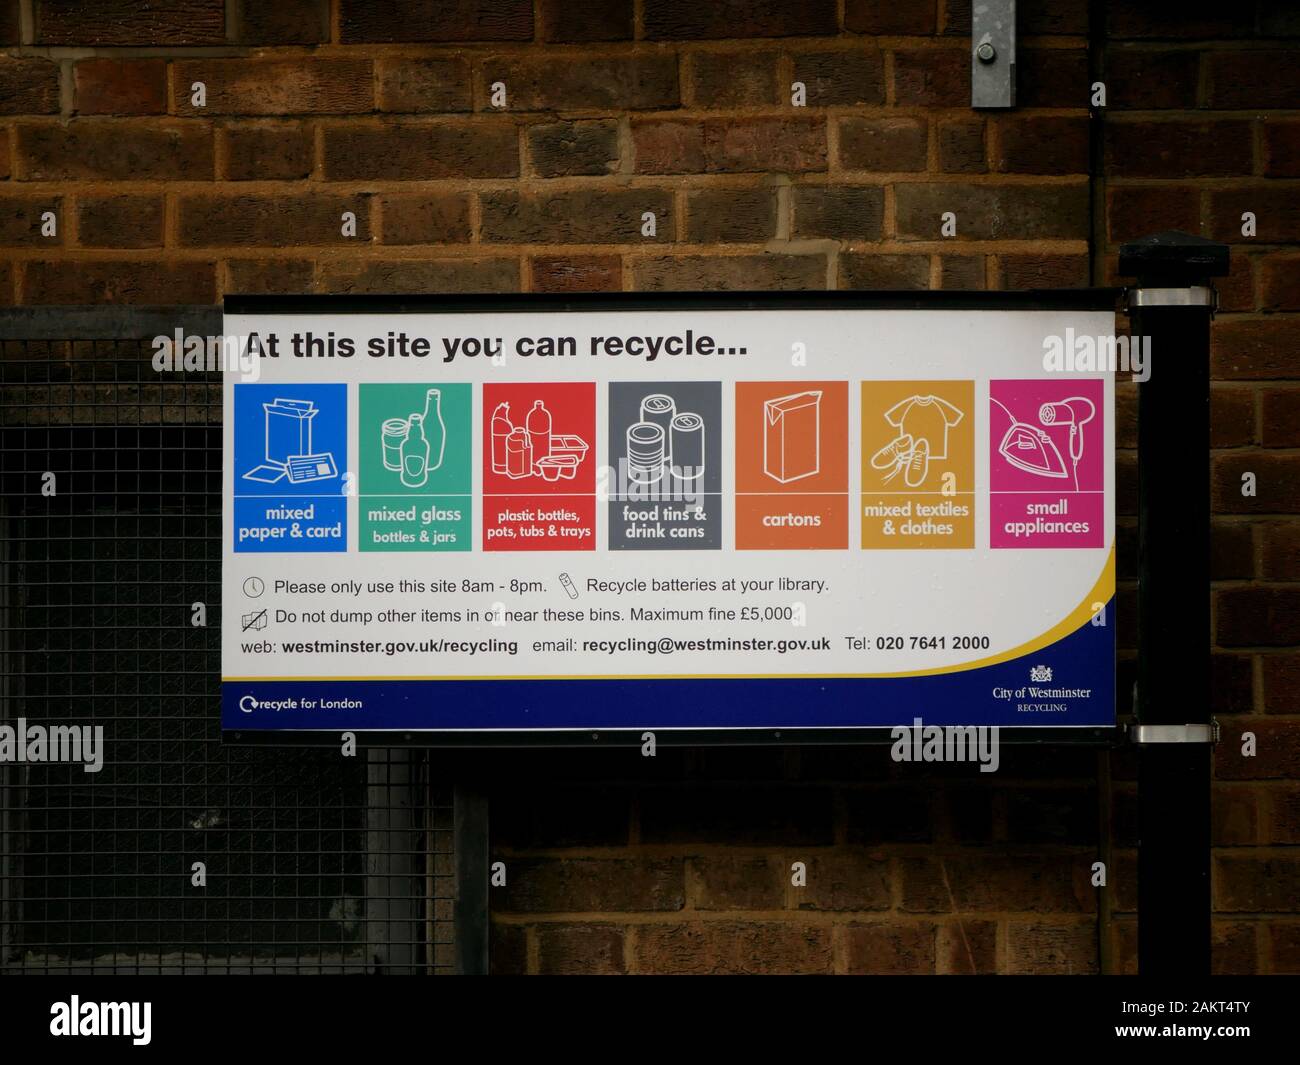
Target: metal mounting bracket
point(1148, 735)
point(993, 53)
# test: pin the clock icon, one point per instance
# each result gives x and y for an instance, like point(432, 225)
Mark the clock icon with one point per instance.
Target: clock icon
point(254, 587)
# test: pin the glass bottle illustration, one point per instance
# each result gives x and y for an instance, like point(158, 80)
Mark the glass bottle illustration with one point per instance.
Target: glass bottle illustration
point(538, 424)
point(415, 454)
point(501, 429)
point(435, 430)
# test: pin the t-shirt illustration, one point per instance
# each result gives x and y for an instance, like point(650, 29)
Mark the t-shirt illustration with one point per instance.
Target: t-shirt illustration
point(925, 418)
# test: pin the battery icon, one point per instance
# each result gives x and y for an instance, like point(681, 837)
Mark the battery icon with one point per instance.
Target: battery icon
point(569, 588)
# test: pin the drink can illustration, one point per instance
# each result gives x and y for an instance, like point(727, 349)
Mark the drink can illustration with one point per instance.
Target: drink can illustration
point(686, 446)
point(792, 436)
point(659, 410)
point(645, 452)
point(393, 432)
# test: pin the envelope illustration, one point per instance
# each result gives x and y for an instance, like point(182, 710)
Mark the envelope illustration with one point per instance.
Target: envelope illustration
point(792, 436)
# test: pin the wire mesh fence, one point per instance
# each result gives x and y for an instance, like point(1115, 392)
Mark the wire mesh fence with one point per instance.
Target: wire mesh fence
point(178, 853)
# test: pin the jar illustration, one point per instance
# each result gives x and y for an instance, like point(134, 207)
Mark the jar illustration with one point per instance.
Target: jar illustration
point(435, 430)
point(519, 454)
point(415, 454)
point(393, 432)
point(539, 430)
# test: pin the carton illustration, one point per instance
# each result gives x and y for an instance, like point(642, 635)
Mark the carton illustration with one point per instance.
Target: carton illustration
point(792, 436)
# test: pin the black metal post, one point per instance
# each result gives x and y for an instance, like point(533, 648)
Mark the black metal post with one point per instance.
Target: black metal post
point(1171, 307)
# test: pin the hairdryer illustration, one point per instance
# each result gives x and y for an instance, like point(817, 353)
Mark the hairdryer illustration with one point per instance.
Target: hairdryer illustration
point(1076, 412)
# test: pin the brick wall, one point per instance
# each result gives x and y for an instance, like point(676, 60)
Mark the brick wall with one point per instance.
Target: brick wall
point(617, 107)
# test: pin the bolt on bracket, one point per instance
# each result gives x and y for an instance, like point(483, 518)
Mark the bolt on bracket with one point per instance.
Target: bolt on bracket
point(993, 53)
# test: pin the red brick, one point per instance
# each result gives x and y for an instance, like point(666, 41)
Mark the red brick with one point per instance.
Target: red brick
point(1280, 283)
point(680, 20)
point(668, 147)
point(577, 273)
point(1179, 148)
point(1192, 19)
point(838, 212)
point(129, 22)
point(20, 220)
point(4, 155)
point(1237, 290)
point(730, 216)
point(119, 281)
point(1281, 682)
point(1254, 349)
point(1250, 883)
point(508, 952)
point(364, 21)
point(272, 276)
point(7, 298)
point(1284, 946)
point(841, 78)
point(1252, 79)
point(961, 146)
point(424, 85)
point(560, 149)
point(1234, 816)
point(730, 273)
point(890, 18)
point(733, 947)
point(28, 87)
point(580, 950)
point(1232, 417)
point(1046, 145)
point(578, 216)
point(626, 83)
point(783, 145)
point(732, 79)
point(1259, 616)
point(1138, 211)
point(120, 87)
point(1280, 557)
point(1144, 79)
point(1281, 418)
point(1277, 483)
point(114, 150)
point(586, 20)
point(874, 272)
point(857, 880)
point(1233, 949)
point(284, 22)
point(1053, 77)
point(580, 885)
point(1044, 271)
point(932, 78)
point(276, 86)
point(221, 221)
point(994, 883)
point(724, 883)
point(10, 23)
point(418, 276)
point(418, 151)
point(961, 272)
point(1276, 210)
point(1063, 948)
point(120, 221)
point(1284, 815)
point(883, 144)
point(1281, 147)
point(275, 151)
point(989, 212)
point(966, 946)
point(890, 949)
point(425, 218)
point(1232, 683)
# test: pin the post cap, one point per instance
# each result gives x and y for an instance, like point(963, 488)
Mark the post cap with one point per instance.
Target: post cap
point(1173, 258)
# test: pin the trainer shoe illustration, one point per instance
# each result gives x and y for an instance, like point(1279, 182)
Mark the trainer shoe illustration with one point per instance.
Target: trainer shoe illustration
point(918, 465)
point(893, 451)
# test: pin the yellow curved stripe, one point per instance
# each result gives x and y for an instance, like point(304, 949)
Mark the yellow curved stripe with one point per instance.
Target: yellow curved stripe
point(1102, 592)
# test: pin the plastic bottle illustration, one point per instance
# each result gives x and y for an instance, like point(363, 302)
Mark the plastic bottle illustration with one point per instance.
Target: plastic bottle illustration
point(539, 430)
point(519, 454)
point(435, 430)
point(501, 428)
point(415, 454)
